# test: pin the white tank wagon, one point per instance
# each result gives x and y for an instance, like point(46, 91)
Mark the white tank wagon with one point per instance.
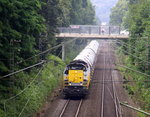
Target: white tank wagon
point(89, 53)
point(77, 74)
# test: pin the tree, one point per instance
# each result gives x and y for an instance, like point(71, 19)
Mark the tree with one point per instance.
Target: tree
point(118, 13)
point(20, 27)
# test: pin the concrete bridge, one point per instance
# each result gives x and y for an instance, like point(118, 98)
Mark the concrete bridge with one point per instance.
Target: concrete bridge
point(92, 32)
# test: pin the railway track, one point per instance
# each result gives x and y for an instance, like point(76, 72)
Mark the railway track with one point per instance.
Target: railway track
point(115, 99)
point(113, 93)
point(103, 89)
point(71, 108)
point(105, 93)
point(108, 89)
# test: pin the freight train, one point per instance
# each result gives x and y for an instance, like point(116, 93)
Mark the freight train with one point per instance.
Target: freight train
point(77, 74)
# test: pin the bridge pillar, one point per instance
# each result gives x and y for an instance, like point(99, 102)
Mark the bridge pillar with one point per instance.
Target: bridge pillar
point(63, 51)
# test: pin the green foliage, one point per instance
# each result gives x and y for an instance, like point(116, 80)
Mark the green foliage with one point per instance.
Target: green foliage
point(56, 60)
point(139, 90)
point(119, 13)
point(20, 26)
point(33, 96)
point(64, 19)
point(82, 12)
point(2, 114)
point(139, 31)
point(26, 28)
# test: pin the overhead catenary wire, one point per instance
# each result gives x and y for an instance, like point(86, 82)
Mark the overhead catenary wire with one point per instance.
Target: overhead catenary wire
point(27, 102)
point(132, 55)
point(25, 90)
point(123, 44)
point(24, 106)
point(135, 56)
point(133, 70)
point(55, 47)
point(59, 45)
point(42, 62)
point(129, 105)
point(22, 91)
point(27, 85)
point(129, 46)
point(37, 64)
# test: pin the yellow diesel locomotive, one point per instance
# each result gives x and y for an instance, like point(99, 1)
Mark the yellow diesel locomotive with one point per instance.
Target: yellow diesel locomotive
point(77, 75)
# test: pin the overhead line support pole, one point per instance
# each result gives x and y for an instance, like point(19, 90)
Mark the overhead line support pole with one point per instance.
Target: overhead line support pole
point(63, 51)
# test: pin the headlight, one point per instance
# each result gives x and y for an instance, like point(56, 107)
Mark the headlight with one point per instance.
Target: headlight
point(85, 81)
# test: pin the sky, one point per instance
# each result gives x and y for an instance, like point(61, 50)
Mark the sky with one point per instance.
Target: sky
point(103, 8)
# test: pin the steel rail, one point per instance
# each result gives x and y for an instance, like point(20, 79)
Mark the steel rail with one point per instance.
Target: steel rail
point(66, 105)
point(103, 90)
point(119, 107)
point(113, 87)
point(63, 110)
point(116, 99)
point(78, 110)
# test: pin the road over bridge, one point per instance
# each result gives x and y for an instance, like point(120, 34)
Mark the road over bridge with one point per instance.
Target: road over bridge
point(92, 32)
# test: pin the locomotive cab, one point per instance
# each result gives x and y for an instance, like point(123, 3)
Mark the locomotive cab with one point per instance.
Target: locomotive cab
point(76, 78)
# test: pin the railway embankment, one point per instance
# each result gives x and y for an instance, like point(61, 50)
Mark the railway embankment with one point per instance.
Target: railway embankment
point(136, 82)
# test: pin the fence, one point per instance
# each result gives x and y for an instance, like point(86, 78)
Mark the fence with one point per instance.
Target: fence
point(90, 29)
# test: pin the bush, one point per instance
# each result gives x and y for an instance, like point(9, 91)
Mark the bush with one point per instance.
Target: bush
point(34, 94)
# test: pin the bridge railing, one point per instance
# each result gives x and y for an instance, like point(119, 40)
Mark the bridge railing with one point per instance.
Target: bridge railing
point(90, 29)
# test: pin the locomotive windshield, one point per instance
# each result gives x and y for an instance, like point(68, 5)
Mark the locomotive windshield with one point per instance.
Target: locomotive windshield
point(77, 67)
